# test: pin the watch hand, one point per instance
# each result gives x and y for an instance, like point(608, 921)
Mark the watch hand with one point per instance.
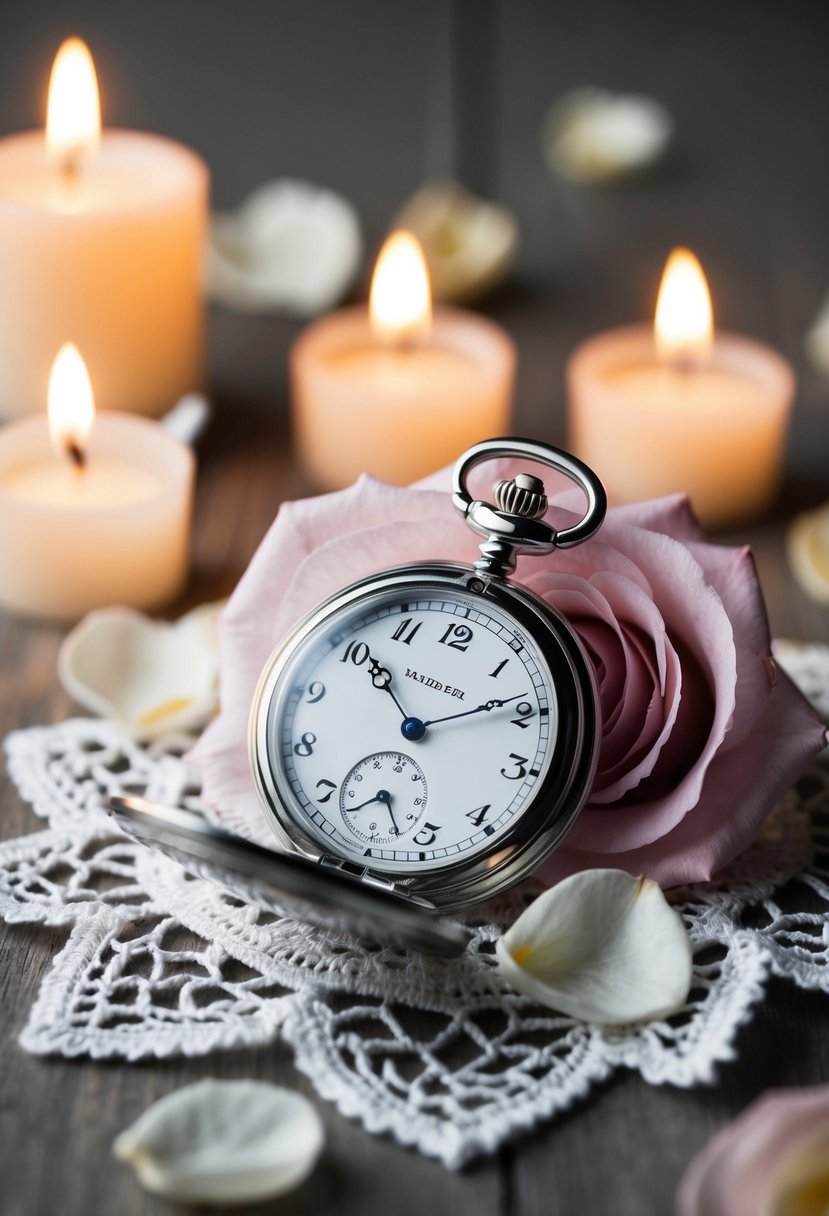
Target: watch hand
point(381, 678)
point(381, 796)
point(495, 704)
point(385, 797)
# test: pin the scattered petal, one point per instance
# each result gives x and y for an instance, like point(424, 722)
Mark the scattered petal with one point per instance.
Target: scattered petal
point(150, 677)
point(600, 946)
point(593, 136)
point(224, 1142)
point(817, 339)
point(291, 247)
point(807, 547)
point(469, 243)
point(771, 1161)
point(801, 1187)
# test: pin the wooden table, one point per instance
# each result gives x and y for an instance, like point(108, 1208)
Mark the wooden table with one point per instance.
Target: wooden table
point(620, 1152)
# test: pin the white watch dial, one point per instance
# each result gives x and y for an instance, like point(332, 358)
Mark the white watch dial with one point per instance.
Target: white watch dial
point(411, 732)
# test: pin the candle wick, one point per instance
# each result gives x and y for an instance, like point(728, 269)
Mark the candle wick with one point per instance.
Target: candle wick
point(76, 454)
point(69, 168)
point(406, 342)
point(685, 364)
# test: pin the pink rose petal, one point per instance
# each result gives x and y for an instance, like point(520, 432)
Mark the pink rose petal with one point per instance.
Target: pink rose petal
point(734, 1174)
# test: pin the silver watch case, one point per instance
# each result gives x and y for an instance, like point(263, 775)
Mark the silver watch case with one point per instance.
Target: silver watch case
point(541, 826)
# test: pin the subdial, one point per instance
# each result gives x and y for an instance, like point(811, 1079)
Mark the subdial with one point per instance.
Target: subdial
point(383, 797)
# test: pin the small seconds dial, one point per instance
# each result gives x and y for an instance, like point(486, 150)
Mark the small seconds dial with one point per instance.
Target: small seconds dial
point(383, 797)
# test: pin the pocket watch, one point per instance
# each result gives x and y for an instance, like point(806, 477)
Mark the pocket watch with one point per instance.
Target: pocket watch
point(426, 737)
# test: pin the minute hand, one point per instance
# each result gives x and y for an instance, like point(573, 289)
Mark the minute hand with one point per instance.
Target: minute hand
point(488, 705)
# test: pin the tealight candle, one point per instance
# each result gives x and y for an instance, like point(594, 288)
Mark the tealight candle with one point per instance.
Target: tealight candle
point(100, 239)
point(104, 520)
point(396, 390)
point(676, 408)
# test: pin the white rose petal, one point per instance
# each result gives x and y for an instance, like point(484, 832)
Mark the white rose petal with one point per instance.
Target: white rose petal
point(469, 243)
point(817, 339)
point(222, 1142)
point(593, 136)
point(807, 547)
point(150, 677)
point(600, 946)
point(291, 247)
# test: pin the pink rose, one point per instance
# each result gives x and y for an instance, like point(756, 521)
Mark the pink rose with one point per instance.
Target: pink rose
point(754, 1165)
point(702, 733)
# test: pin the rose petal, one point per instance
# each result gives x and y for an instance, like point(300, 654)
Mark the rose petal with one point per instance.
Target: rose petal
point(694, 614)
point(593, 136)
point(150, 677)
point(299, 529)
point(801, 1187)
point(223, 1142)
point(807, 548)
point(747, 1168)
point(600, 946)
point(290, 247)
point(469, 242)
point(640, 681)
point(734, 803)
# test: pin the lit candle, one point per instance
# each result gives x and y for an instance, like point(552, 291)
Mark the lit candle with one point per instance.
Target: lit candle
point(397, 390)
point(92, 511)
point(678, 408)
point(100, 236)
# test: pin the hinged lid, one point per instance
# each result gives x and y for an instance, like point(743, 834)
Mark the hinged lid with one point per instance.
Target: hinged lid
point(321, 893)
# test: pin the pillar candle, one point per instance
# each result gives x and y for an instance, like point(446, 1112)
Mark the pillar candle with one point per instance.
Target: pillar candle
point(656, 416)
point(396, 390)
point(108, 526)
point(101, 243)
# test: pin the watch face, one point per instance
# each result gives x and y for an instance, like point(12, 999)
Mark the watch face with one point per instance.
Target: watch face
point(409, 730)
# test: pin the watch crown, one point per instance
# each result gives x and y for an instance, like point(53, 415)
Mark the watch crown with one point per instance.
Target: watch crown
point(522, 495)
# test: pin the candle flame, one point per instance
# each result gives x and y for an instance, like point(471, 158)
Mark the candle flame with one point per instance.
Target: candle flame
point(684, 326)
point(73, 115)
point(71, 404)
point(400, 303)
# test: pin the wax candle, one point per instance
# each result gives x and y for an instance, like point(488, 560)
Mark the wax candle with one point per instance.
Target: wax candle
point(101, 240)
point(678, 408)
point(395, 389)
point(102, 520)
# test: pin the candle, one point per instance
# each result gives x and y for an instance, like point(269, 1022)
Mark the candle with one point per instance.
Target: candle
point(394, 389)
point(100, 238)
point(102, 520)
point(677, 408)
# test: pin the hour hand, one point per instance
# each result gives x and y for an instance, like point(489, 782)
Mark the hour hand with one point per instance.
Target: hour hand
point(381, 677)
point(384, 797)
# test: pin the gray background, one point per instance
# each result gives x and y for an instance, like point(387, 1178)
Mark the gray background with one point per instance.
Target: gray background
point(369, 97)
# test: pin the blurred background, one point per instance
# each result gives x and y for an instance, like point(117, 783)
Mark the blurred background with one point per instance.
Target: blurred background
point(371, 98)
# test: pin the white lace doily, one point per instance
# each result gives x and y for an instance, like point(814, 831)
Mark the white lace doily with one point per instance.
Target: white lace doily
point(441, 1055)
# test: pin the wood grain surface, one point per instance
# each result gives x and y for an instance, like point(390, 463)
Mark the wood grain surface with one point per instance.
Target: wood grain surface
point(747, 186)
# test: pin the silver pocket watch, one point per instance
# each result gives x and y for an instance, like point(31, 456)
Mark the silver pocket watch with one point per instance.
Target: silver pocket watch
point(423, 739)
